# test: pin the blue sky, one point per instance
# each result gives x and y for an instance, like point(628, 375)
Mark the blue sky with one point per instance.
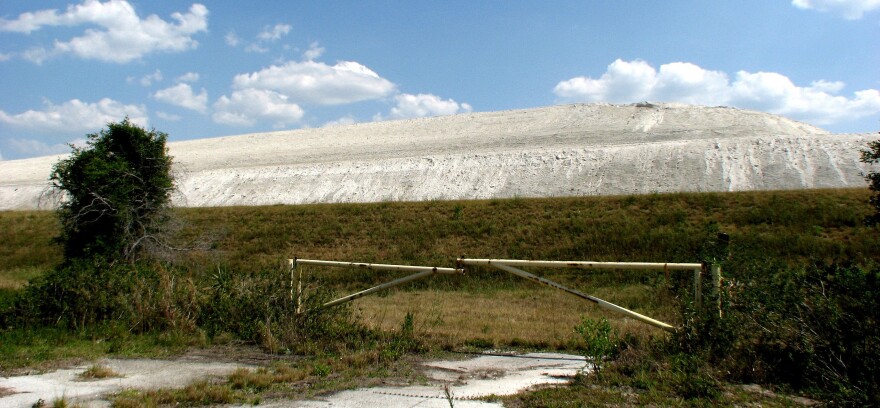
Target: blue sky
point(215, 68)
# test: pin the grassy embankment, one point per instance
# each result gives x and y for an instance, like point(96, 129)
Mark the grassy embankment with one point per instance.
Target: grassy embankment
point(484, 308)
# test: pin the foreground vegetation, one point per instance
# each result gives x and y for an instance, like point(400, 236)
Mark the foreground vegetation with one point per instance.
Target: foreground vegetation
point(799, 303)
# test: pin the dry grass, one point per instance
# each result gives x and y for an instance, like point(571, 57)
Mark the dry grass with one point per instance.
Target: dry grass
point(98, 372)
point(26, 238)
point(531, 317)
point(16, 278)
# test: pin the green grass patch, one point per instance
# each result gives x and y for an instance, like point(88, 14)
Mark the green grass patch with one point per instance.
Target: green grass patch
point(45, 348)
point(794, 226)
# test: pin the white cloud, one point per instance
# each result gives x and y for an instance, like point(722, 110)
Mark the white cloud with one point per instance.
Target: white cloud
point(5, 57)
point(121, 36)
point(168, 116)
point(182, 95)
point(33, 148)
point(148, 79)
point(633, 81)
point(76, 116)
point(36, 55)
point(255, 47)
point(318, 83)
point(345, 120)
point(849, 9)
point(273, 33)
point(424, 105)
point(232, 39)
point(188, 77)
point(268, 35)
point(245, 107)
point(314, 52)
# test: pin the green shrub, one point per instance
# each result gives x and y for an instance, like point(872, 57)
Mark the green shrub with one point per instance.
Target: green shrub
point(813, 329)
point(872, 156)
point(84, 292)
point(116, 192)
point(600, 342)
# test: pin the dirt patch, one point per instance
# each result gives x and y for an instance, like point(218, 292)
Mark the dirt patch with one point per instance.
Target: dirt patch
point(236, 353)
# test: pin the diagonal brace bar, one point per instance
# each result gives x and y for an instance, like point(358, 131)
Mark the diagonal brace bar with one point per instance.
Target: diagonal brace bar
point(383, 286)
point(378, 267)
point(603, 304)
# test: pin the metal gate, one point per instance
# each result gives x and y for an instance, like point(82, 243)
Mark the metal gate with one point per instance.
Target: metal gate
point(511, 266)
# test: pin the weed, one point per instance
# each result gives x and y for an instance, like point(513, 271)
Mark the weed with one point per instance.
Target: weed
point(599, 340)
point(321, 370)
point(449, 395)
point(98, 372)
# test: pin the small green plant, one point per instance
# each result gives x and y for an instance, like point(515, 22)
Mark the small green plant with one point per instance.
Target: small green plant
point(456, 212)
point(321, 369)
point(599, 340)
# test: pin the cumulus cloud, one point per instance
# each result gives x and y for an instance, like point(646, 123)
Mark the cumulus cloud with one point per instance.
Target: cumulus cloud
point(148, 79)
point(314, 52)
point(182, 95)
point(75, 116)
point(423, 105)
point(345, 120)
point(633, 81)
point(168, 116)
point(246, 106)
point(318, 83)
point(255, 47)
point(269, 34)
point(188, 77)
point(273, 33)
point(849, 9)
point(232, 39)
point(121, 35)
point(32, 147)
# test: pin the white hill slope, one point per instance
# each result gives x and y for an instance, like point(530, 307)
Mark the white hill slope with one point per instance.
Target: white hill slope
point(568, 150)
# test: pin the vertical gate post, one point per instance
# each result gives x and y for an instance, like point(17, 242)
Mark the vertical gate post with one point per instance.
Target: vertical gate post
point(716, 286)
point(299, 288)
point(296, 275)
point(698, 287)
point(291, 263)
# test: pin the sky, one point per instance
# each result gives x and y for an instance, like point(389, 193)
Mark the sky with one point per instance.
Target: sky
point(217, 68)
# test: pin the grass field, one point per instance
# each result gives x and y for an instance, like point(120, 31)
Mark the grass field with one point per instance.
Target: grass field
point(484, 308)
point(789, 226)
point(794, 226)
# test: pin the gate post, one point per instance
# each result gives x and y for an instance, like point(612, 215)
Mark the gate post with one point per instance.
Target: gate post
point(698, 286)
point(716, 286)
point(296, 275)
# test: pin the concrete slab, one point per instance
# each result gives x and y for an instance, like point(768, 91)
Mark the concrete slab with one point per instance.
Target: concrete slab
point(135, 373)
point(467, 380)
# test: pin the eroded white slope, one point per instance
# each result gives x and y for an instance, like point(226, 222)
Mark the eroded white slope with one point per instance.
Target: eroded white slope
point(556, 151)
